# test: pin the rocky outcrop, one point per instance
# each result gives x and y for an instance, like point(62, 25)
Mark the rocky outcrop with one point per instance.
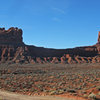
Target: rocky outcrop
point(12, 36)
point(13, 49)
point(99, 37)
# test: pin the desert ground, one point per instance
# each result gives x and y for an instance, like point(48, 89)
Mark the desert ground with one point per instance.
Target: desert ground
point(73, 81)
point(12, 96)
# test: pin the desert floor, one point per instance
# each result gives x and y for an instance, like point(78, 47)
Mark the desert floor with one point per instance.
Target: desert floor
point(61, 80)
point(12, 96)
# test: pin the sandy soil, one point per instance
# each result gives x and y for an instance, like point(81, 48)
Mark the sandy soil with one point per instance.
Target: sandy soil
point(12, 96)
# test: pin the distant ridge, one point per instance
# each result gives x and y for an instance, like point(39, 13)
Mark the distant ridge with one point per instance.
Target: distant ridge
point(13, 50)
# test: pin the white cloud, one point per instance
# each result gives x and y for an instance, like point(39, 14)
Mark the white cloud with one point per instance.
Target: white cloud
point(59, 10)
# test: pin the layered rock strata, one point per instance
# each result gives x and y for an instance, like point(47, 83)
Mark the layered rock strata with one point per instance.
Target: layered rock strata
point(13, 49)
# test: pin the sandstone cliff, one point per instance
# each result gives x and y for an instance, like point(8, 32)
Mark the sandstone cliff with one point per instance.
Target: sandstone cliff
point(14, 50)
point(11, 36)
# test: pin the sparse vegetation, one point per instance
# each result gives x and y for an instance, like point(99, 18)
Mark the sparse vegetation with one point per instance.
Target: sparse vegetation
point(51, 79)
point(92, 96)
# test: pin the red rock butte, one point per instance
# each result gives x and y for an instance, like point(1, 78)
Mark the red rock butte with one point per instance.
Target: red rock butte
point(11, 36)
point(99, 37)
point(12, 49)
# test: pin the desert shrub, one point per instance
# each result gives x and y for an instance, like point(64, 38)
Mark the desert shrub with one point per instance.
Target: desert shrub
point(71, 91)
point(61, 91)
point(25, 90)
point(92, 96)
point(7, 82)
point(53, 92)
point(85, 96)
point(12, 89)
point(32, 89)
point(98, 88)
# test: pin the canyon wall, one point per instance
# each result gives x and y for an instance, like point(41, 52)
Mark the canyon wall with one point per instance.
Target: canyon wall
point(12, 49)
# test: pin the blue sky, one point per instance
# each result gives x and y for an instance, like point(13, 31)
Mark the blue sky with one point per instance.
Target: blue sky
point(53, 23)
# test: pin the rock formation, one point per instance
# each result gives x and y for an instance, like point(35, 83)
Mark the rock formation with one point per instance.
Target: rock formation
point(12, 49)
point(11, 36)
point(99, 37)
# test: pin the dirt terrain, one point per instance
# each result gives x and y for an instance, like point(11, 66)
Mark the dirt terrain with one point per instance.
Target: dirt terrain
point(12, 96)
point(63, 80)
